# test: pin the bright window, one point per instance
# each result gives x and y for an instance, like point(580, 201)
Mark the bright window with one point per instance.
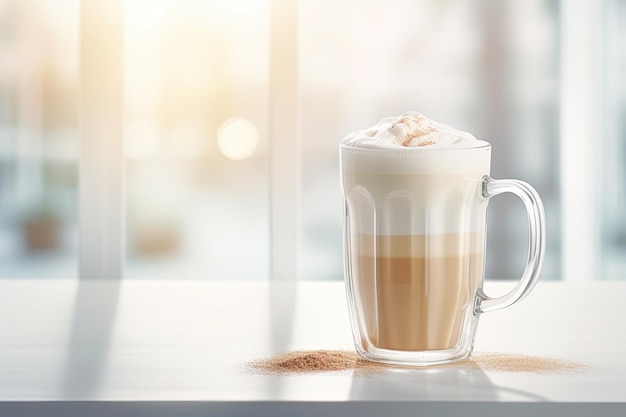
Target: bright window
point(196, 138)
point(39, 134)
point(215, 168)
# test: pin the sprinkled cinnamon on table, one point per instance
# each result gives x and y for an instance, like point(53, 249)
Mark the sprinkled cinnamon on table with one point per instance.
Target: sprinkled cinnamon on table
point(319, 361)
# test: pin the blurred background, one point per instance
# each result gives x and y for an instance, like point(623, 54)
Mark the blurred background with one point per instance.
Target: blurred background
point(196, 126)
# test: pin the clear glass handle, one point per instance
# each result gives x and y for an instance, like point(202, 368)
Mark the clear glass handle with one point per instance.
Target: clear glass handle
point(536, 246)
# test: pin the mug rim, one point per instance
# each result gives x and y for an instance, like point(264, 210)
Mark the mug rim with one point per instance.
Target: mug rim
point(413, 150)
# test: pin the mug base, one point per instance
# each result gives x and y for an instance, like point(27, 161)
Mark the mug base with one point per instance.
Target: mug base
point(414, 358)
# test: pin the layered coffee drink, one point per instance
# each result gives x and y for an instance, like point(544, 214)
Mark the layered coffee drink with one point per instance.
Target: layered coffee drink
point(415, 201)
point(414, 231)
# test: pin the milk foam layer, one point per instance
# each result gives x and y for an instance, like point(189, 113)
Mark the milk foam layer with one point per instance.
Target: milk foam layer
point(411, 130)
point(400, 205)
point(393, 189)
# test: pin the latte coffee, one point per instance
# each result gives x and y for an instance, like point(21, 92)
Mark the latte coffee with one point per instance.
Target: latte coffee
point(415, 204)
point(413, 301)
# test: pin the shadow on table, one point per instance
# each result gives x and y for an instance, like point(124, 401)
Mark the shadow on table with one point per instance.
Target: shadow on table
point(437, 384)
point(282, 308)
point(282, 300)
point(90, 338)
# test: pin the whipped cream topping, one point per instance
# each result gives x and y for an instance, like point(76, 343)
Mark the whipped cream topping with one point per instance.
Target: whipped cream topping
point(411, 130)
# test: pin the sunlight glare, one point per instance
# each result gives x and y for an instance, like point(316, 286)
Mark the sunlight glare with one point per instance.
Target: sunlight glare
point(146, 14)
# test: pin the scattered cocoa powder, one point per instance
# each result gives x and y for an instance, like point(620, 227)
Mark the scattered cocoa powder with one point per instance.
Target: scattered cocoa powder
point(318, 361)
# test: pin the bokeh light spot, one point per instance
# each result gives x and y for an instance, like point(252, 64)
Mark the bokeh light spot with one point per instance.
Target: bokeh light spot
point(238, 138)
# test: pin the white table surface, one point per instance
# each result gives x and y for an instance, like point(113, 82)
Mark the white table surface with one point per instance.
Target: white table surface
point(179, 347)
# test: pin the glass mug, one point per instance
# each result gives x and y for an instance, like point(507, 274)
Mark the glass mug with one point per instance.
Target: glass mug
point(414, 244)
